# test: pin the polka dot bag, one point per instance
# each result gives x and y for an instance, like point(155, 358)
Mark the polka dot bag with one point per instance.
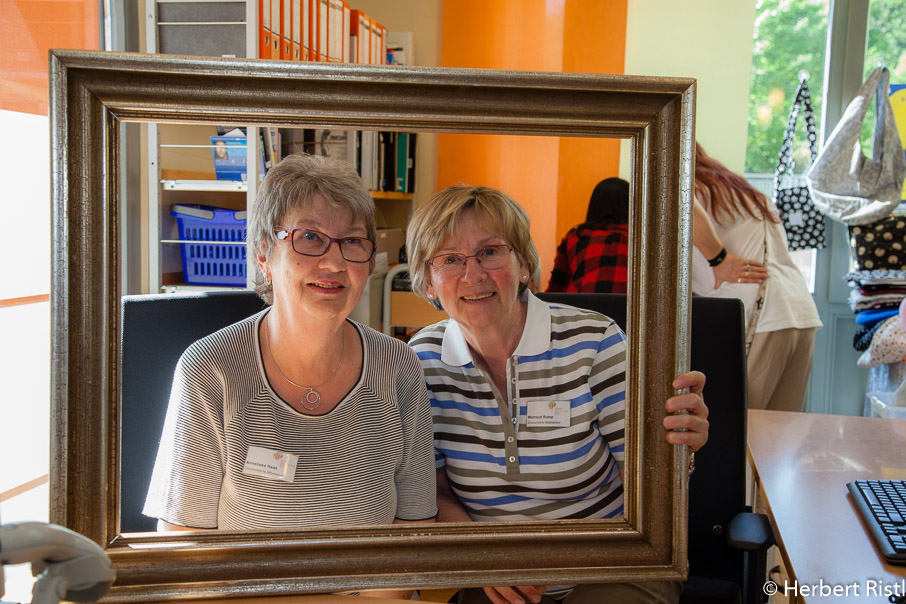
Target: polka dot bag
point(803, 223)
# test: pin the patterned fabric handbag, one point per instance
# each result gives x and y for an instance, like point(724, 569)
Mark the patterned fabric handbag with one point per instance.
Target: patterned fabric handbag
point(803, 223)
point(847, 186)
point(880, 245)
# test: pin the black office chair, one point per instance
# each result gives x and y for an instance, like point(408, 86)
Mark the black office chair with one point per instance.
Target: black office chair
point(156, 330)
point(727, 543)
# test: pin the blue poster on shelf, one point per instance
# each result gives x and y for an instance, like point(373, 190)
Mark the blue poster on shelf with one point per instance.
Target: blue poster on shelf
point(230, 157)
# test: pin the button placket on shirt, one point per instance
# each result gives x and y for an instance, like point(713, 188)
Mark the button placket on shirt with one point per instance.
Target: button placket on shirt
point(511, 444)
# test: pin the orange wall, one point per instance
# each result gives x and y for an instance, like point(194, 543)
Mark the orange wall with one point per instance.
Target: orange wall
point(28, 29)
point(552, 178)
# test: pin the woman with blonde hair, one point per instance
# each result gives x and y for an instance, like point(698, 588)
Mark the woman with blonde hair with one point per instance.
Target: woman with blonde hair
point(502, 358)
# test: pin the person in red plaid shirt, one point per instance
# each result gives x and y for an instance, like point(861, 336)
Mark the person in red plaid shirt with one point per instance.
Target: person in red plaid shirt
point(593, 255)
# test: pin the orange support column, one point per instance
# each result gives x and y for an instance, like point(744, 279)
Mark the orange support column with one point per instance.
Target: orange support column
point(552, 178)
point(595, 42)
point(524, 35)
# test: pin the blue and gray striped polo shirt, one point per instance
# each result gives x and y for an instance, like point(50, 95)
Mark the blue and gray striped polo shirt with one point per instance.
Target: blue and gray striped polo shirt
point(503, 459)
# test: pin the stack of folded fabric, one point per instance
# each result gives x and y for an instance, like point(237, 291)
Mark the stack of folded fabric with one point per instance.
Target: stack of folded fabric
point(875, 299)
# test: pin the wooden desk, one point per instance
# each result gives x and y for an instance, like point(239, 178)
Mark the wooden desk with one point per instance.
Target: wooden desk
point(312, 599)
point(802, 462)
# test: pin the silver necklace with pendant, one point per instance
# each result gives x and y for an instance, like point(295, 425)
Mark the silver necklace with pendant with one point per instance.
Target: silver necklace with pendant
point(311, 400)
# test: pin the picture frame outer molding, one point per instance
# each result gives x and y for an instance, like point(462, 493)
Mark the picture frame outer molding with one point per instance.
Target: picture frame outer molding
point(93, 93)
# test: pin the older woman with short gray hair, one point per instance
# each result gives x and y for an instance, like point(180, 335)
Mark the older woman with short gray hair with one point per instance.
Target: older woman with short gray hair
point(298, 416)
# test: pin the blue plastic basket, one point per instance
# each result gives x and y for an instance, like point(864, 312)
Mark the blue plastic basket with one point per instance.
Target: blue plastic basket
point(206, 262)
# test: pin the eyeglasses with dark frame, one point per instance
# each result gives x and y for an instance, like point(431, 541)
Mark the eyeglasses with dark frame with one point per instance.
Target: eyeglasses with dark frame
point(309, 242)
point(489, 257)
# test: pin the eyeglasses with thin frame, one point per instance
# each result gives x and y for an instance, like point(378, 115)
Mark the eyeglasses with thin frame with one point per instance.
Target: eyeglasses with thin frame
point(309, 242)
point(490, 257)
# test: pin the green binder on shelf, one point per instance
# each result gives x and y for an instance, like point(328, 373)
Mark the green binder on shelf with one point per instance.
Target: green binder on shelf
point(402, 162)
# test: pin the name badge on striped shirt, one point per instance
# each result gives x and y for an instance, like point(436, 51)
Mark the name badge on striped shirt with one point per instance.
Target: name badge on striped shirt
point(554, 414)
point(268, 463)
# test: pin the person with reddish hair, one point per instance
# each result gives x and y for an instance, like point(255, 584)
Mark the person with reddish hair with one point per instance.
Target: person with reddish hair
point(733, 223)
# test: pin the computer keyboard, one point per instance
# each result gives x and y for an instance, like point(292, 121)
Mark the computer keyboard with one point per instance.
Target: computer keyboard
point(882, 506)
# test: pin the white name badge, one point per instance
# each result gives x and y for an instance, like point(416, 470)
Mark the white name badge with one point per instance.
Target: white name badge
point(268, 463)
point(553, 414)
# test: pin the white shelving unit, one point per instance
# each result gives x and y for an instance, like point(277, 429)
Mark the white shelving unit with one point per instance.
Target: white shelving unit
point(233, 186)
point(163, 243)
point(207, 28)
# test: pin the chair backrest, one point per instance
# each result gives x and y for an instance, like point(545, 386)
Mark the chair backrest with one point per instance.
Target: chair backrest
point(717, 488)
point(156, 330)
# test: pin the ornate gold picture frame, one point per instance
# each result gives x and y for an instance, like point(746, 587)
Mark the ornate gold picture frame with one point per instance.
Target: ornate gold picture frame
point(92, 93)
